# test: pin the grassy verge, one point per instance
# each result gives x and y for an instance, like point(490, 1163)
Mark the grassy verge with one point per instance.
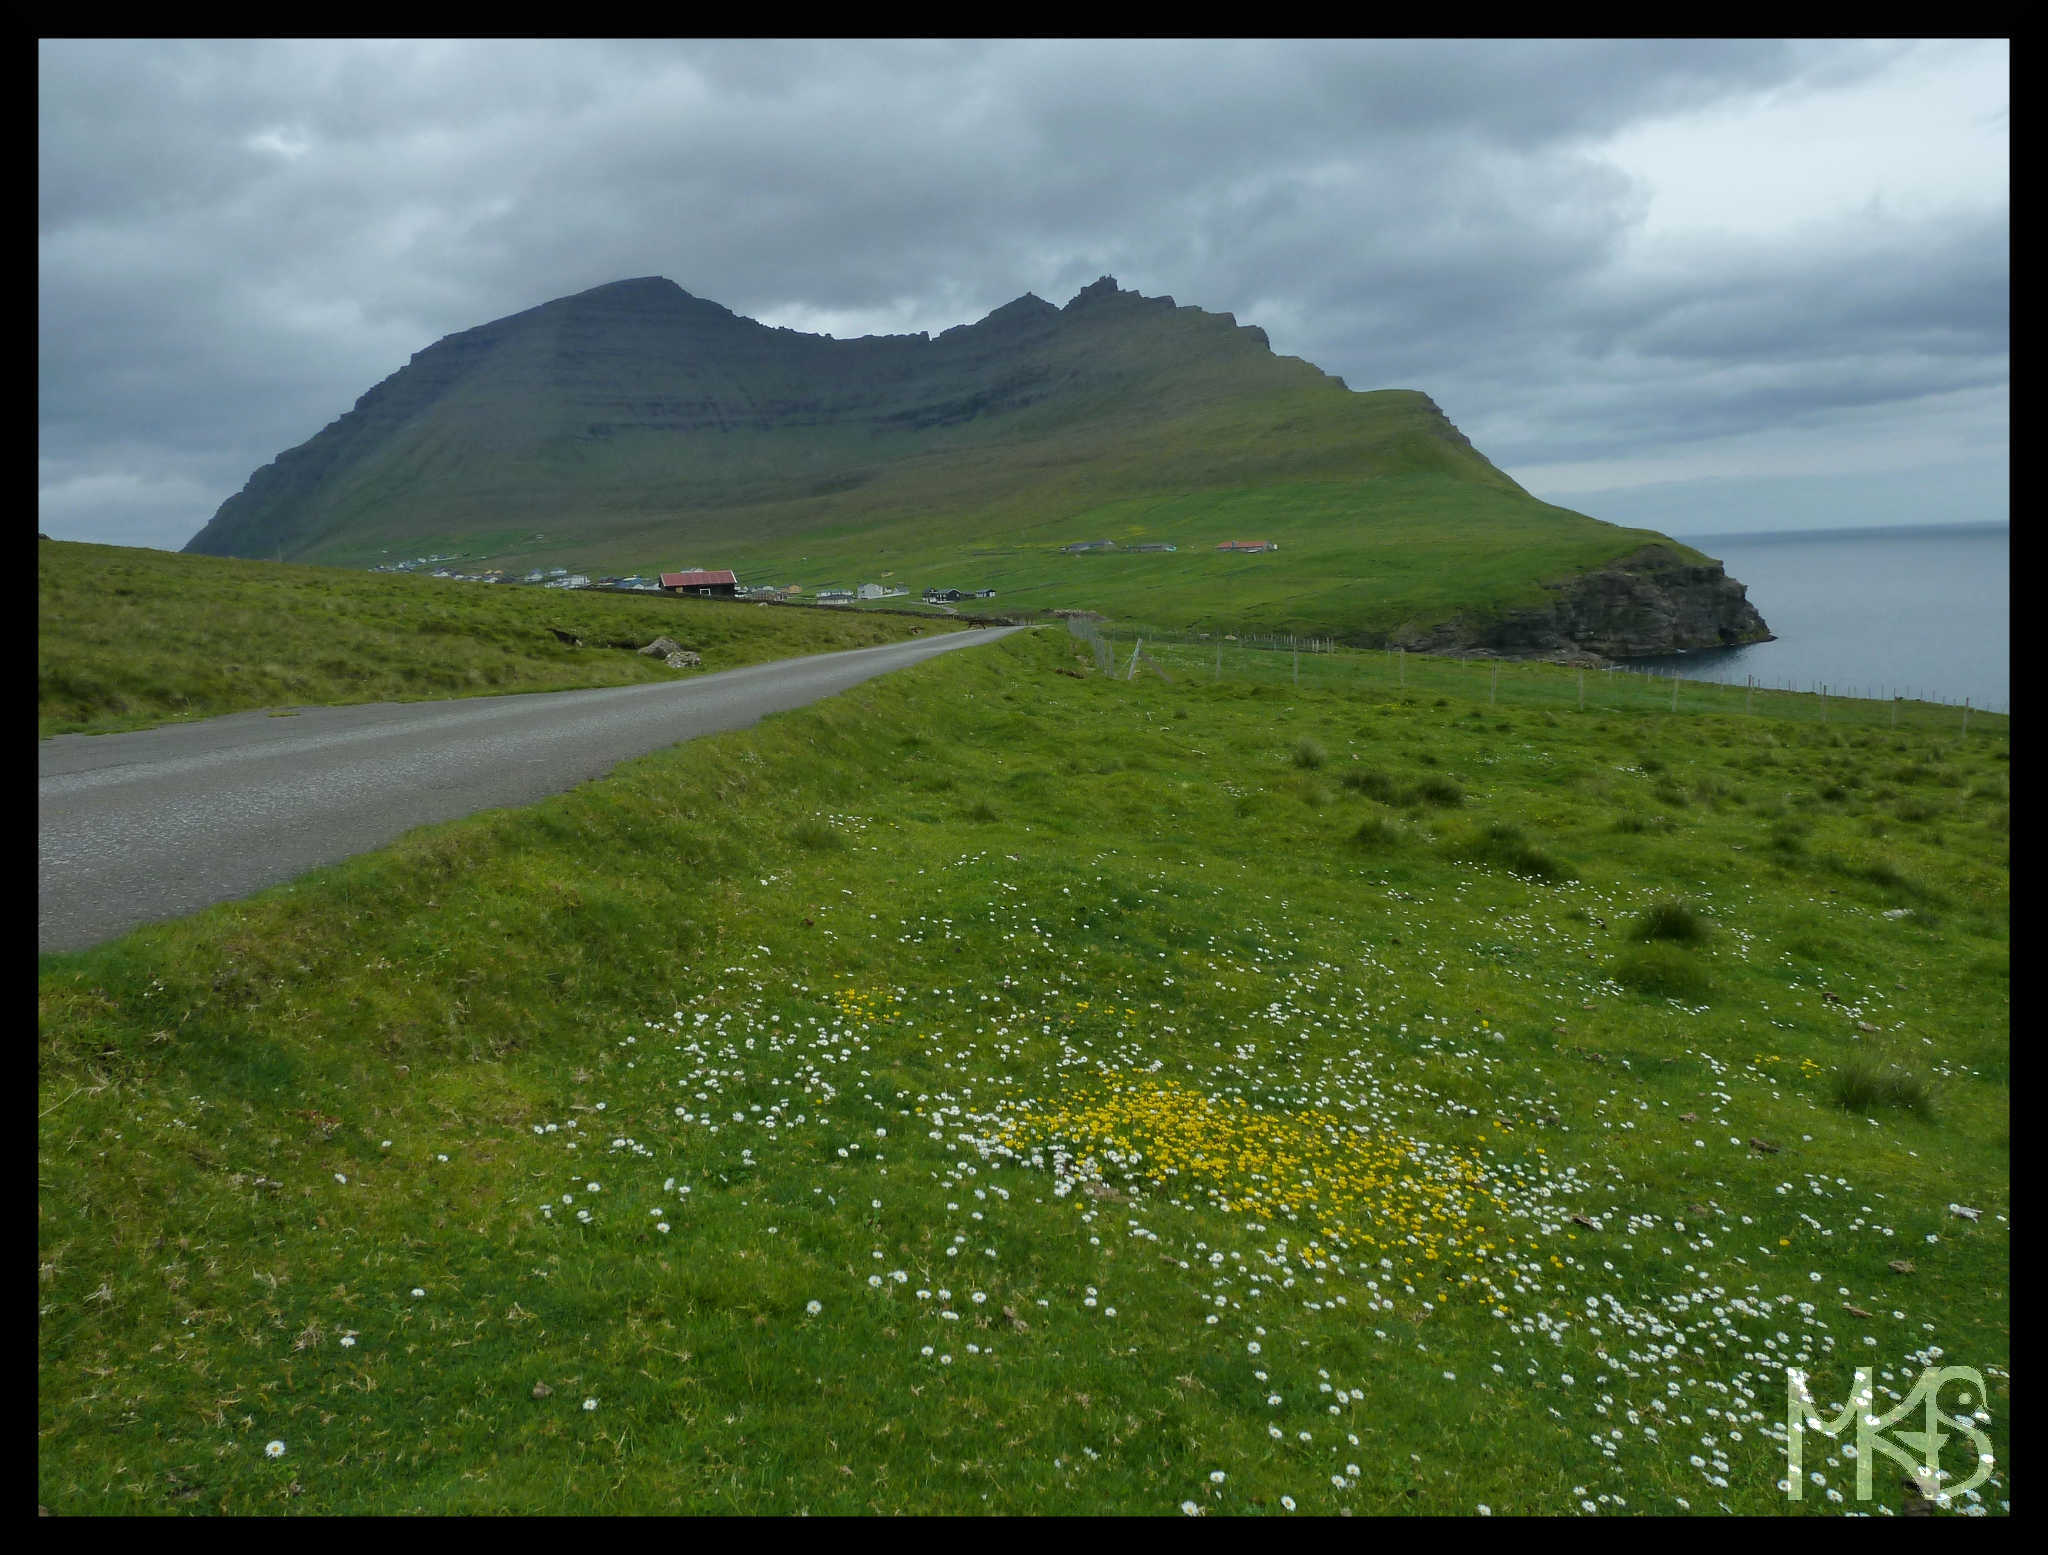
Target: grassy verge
point(1481, 684)
point(129, 638)
point(1004, 1089)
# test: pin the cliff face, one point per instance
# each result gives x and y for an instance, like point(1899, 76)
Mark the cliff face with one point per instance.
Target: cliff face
point(1650, 602)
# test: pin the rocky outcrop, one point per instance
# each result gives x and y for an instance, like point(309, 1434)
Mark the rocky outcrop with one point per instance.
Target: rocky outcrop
point(1652, 601)
point(672, 653)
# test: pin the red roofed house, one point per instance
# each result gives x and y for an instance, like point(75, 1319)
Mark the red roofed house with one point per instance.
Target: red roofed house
point(707, 585)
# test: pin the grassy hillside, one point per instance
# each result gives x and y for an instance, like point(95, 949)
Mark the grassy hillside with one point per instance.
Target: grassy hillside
point(1357, 559)
point(128, 638)
point(1002, 1089)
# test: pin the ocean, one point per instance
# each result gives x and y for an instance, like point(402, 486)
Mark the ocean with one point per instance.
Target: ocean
point(1923, 612)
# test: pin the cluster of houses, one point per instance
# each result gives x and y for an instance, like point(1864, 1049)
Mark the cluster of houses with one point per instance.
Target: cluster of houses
point(546, 577)
point(1081, 546)
point(719, 583)
point(414, 565)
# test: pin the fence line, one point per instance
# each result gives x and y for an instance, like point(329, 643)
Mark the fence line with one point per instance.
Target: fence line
point(1281, 659)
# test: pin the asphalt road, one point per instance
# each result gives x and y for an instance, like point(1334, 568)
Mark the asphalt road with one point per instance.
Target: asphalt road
point(136, 828)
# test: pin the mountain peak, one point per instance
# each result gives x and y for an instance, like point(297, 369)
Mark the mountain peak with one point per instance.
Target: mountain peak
point(648, 293)
point(1018, 314)
point(649, 285)
point(1103, 290)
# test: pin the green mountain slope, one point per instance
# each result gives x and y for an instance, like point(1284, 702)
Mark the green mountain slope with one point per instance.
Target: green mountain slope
point(635, 426)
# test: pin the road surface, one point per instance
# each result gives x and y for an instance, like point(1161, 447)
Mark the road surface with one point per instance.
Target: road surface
point(136, 828)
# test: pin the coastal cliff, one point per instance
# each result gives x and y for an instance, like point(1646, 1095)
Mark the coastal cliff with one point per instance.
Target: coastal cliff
point(1651, 601)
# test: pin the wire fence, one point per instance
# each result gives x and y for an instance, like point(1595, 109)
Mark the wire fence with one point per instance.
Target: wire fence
point(1125, 651)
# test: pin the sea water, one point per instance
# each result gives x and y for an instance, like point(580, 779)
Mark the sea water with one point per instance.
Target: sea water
point(1922, 612)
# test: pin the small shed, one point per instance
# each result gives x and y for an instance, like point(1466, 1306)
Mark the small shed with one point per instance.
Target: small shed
point(704, 585)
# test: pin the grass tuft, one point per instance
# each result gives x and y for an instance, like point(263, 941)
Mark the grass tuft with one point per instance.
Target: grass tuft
point(1862, 1085)
point(1443, 792)
point(1377, 833)
point(816, 834)
point(1502, 844)
point(1663, 971)
point(1675, 921)
point(1373, 784)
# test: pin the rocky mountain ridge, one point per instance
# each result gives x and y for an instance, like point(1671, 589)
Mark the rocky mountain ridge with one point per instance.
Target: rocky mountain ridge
point(634, 424)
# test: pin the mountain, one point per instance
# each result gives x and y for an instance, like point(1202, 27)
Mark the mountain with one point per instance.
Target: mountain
point(634, 426)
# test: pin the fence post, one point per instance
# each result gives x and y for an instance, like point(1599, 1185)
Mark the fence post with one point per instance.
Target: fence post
point(1494, 684)
point(1582, 688)
point(1823, 704)
point(1966, 715)
point(1297, 666)
point(1401, 661)
point(1674, 691)
point(1219, 656)
point(1132, 672)
point(1748, 690)
point(1895, 707)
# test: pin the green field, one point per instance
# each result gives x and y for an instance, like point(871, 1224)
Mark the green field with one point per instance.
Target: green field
point(1361, 560)
point(130, 638)
point(1532, 687)
point(1006, 1089)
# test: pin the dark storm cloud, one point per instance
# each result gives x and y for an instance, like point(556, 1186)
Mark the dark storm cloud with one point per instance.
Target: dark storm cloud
point(237, 239)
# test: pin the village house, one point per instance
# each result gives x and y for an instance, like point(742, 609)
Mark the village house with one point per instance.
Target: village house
point(1248, 545)
point(835, 596)
point(1088, 545)
point(703, 585)
point(1156, 546)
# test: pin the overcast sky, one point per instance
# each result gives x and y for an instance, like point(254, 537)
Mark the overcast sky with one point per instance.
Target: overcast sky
point(1709, 286)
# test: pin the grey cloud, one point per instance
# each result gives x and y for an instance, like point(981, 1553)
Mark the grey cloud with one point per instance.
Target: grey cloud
point(237, 239)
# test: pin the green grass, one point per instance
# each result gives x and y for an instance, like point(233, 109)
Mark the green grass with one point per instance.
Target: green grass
point(1362, 558)
point(1216, 1101)
point(1502, 843)
point(1679, 922)
point(130, 638)
point(1663, 972)
point(1863, 1086)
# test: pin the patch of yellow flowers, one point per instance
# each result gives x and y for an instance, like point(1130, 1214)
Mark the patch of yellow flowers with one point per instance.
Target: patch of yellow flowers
point(866, 1007)
point(1355, 1190)
point(1806, 1065)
